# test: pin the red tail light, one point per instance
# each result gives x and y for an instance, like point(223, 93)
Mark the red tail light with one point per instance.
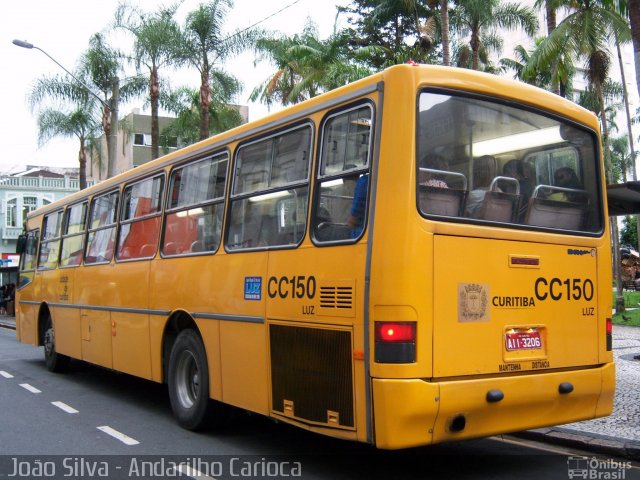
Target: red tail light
point(609, 326)
point(609, 335)
point(395, 332)
point(395, 342)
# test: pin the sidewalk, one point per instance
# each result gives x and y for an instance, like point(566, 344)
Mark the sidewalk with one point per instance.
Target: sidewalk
point(616, 435)
point(619, 433)
point(7, 321)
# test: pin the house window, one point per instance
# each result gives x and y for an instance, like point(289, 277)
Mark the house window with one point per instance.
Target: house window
point(29, 204)
point(138, 139)
point(12, 213)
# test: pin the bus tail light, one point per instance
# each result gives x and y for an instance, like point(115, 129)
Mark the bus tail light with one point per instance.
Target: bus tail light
point(395, 342)
point(609, 334)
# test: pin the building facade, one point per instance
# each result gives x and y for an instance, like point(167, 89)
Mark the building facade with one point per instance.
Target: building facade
point(134, 143)
point(24, 192)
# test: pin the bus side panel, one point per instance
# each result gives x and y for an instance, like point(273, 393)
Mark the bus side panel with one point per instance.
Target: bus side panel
point(186, 284)
point(237, 372)
point(26, 313)
point(130, 330)
point(66, 321)
point(96, 337)
point(243, 340)
point(316, 296)
point(94, 287)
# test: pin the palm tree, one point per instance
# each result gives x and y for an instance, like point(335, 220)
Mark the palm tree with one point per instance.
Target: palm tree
point(103, 65)
point(156, 45)
point(306, 66)
point(444, 27)
point(184, 103)
point(550, 7)
point(79, 122)
point(541, 79)
point(463, 55)
point(206, 47)
point(634, 20)
point(476, 17)
point(620, 157)
point(585, 33)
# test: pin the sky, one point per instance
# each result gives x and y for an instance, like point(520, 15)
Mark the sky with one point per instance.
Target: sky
point(62, 28)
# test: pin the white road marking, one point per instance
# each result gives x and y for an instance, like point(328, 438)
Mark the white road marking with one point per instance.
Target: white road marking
point(5, 374)
point(192, 472)
point(65, 407)
point(127, 440)
point(31, 388)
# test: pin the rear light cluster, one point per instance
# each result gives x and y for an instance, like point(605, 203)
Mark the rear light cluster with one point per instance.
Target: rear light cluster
point(395, 342)
point(609, 335)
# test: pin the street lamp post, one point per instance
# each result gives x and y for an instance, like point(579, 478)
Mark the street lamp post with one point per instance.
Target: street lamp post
point(112, 108)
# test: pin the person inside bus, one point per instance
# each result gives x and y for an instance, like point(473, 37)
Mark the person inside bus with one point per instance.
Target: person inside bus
point(566, 177)
point(519, 170)
point(430, 179)
point(359, 206)
point(484, 171)
point(516, 168)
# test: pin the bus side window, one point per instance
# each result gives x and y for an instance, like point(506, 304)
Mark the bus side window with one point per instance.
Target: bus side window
point(140, 221)
point(50, 242)
point(270, 191)
point(196, 206)
point(102, 228)
point(73, 235)
point(343, 176)
point(28, 258)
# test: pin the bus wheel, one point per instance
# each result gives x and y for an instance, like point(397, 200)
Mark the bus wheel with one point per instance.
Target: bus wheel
point(189, 381)
point(56, 362)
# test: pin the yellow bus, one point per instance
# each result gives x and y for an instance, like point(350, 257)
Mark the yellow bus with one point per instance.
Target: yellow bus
point(417, 257)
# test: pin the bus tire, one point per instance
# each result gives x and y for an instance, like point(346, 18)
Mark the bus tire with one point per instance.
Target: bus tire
point(56, 362)
point(188, 379)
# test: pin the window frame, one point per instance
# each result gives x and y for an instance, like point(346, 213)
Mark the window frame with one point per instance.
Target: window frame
point(123, 222)
point(597, 191)
point(66, 235)
point(269, 190)
point(35, 233)
point(321, 178)
point(59, 213)
point(113, 225)
point(220, 200)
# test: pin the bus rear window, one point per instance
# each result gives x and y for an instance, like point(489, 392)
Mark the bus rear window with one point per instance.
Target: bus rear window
point(484, 161)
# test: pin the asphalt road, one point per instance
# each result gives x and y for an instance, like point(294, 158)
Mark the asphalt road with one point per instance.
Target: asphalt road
point(95, 423)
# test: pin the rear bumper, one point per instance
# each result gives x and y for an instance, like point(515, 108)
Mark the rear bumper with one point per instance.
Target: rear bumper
point(414, 412)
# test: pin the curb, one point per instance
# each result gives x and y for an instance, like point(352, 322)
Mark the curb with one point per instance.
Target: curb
point(591, 442)
point(6, 324)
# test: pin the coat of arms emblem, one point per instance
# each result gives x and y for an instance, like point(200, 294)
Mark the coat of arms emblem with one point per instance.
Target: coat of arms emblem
point(473, 299)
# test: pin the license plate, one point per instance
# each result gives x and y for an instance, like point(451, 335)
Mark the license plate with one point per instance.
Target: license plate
point(529, 340)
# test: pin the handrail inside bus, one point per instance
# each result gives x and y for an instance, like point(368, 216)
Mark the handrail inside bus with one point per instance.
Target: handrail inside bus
point(552, 188)
point(494, 184)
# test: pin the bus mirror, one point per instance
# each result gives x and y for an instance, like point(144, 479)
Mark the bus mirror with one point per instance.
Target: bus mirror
point(22, 243)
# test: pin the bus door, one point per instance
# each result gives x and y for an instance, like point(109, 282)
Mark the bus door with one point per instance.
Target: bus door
point(28, 291)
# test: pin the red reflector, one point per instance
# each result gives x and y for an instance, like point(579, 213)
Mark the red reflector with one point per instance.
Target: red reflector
point(395, 332)
point(609, 326)
point(525, 261)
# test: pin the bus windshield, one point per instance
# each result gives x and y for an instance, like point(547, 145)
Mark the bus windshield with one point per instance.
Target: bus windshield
point(486, 161)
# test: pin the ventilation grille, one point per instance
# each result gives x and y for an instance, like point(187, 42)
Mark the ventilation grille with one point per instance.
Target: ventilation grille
point(336, 297)
point(311, 374)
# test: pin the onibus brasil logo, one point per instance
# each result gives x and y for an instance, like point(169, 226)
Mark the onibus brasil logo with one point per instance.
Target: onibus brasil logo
point(597, 468)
